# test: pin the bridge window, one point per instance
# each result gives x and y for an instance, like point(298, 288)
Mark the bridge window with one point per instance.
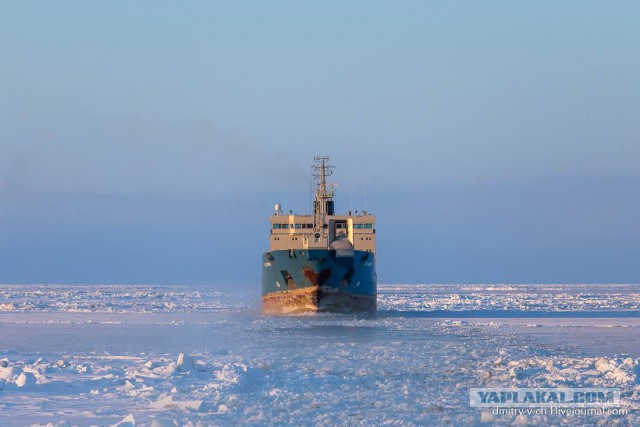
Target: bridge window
point(361, 226)
point(276, 226)
point(285, 226)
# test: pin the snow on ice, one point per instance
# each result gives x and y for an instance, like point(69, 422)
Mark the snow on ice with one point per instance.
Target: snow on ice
point(169, 356)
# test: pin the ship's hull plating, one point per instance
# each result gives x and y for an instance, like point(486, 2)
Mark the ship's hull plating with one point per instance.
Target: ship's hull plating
point(304, 281)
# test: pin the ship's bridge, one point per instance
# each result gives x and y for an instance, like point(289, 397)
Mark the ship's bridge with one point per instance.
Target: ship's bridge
point(323, 229)
point(298, 232)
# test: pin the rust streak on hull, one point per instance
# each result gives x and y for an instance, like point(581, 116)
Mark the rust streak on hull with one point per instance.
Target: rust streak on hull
point(316, 279)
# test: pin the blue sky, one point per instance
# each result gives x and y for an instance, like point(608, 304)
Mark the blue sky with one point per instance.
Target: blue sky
point(148, 141)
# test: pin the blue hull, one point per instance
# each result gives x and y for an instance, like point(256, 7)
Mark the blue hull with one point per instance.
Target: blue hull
point(317, 280)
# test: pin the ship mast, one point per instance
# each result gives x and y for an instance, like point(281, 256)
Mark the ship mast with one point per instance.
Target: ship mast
point(323, 203)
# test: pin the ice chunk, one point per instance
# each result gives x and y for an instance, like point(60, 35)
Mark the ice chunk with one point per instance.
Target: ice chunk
point(7, 307)
point(487, 417)
point(168, 403)
point(84, 369)
point(165, 402)
point(521, 420)
point(26, 380)
point(601, 364)
point(10, 373)
point(4, 363)
point(185, 363)
point(195, 405)
point(127, 421)
point(151, 364)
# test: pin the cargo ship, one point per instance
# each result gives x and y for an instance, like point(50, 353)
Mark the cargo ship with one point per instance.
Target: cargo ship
point(320, 262)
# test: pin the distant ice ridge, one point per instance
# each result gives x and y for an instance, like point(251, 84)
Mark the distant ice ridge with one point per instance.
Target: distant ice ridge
point(115, 299)
point(399, 298)
point(508, 297)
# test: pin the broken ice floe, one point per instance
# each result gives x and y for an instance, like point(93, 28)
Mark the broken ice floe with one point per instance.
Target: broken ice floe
point(114, 299)
point(410, 370)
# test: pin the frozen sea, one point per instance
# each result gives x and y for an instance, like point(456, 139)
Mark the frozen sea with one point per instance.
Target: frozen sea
point(109, 354)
